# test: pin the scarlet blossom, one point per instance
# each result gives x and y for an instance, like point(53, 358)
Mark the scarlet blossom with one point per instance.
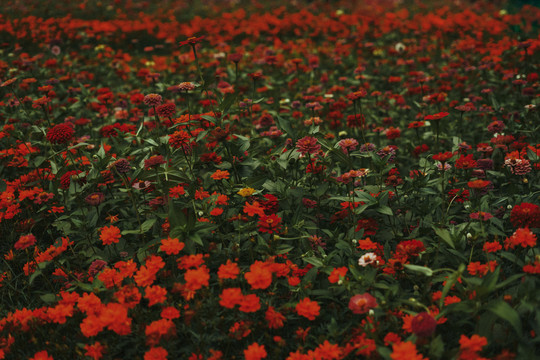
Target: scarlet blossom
point(155, 294)
point(220, 174)
point(60, 134)
point(171, 246)
point(259, 276)
point(443, 157)
point(525, 215)
point(521, 237)
point(94, 351)
point(166, 110)
point(250, 303)
point(362, 303)
point(109, 235)
point(25, 241)
point(274, 318)
point(478, 184)
point(191, 41)
point(437, 116)
point(176, 191)
point(255, 352)
point(470, 347)
point(423, 324)
point(337, 274)
point(269, 224)
point(231, 297)
point(307, 145)
point(405, 350)
point(156, 353)
point(41, 355)
point(179, 139)
point(308, 308)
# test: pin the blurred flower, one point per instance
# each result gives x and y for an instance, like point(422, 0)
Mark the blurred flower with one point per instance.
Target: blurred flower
point(423, 324)
point(362, 303)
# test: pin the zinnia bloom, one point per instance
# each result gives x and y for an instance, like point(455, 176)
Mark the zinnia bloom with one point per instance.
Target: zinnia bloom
point(25, 241)
point(60, 134)
point(255, 352)
point(152, 100)
point(307, 145)
point(269, 224)
point(405, 350)
point(109, 235)
point(307, 308)
point(362, 303)
point(525, 215)
point(423, 324)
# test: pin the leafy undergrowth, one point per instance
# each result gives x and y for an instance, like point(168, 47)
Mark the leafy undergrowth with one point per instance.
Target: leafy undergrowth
point(311, 181)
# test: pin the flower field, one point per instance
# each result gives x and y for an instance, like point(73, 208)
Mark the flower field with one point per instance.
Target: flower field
point(307, 180)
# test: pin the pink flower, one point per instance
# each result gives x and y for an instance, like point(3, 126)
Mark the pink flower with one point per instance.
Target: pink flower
point(362, 303)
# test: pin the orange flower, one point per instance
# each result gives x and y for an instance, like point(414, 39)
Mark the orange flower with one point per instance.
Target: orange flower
point(156, 353)
point(197, 278)
point(229, 270)
point(469, 347)
point(337, 274)
point(253, 209)
point(95, 351)
point(405, 350)
point(274, 318)
point(155, 294)
point(259, 276)
point(250, 303)
point(171, 246)
point(522, 237)
point(231, 297)
point(216, 211)
point(307, 308)
point(220, 174)
point(109, 235)
point(42, 355)
point(25, 241)
point(255, 352)
point(327, 350)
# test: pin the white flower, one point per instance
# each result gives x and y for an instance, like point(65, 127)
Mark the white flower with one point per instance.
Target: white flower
point(367, 259)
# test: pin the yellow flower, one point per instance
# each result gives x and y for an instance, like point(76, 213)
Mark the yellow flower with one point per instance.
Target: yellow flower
point(245, 192)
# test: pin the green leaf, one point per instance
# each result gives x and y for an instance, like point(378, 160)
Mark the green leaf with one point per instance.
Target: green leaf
point(227, 102)
point(506, 312)
point(48, 298)
point(386, 210)
point(445, 235)
point(314, 261)
point(419, 269)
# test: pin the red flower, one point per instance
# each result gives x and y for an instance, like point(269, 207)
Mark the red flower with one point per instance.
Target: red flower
point(307, 308)
point(405, 350)
point(525, 215)
point(191, 41)
point(423, 324)
point(522, 237)
point(166, 110)
point(307, 145)
point(362, 303)
point(269, 224)
point(259, 276)
point(337, 274)
point(109, 235)
point(255, 352)
point(443, 157)
point(25, 241)
point(60, 133)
